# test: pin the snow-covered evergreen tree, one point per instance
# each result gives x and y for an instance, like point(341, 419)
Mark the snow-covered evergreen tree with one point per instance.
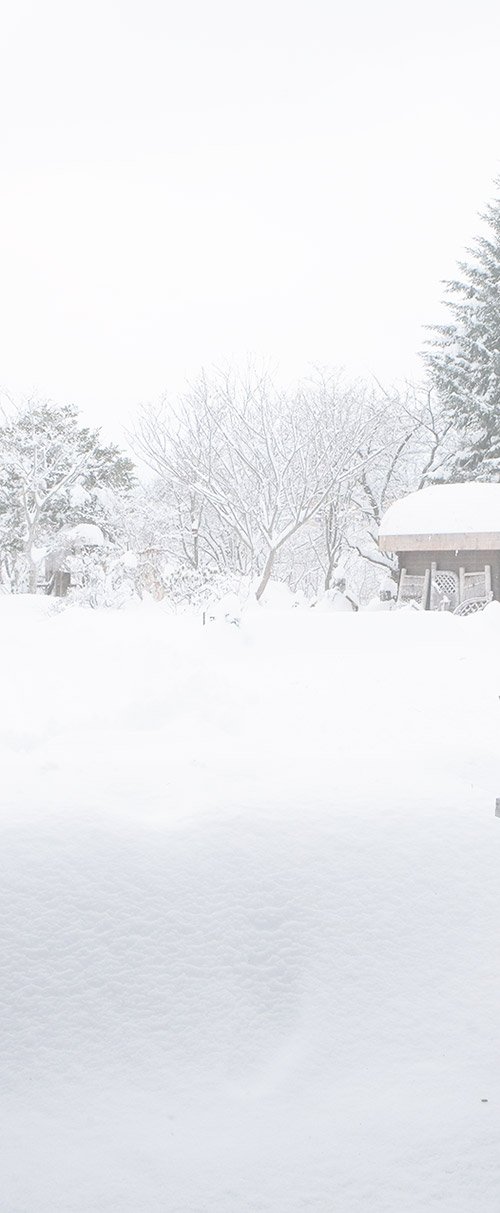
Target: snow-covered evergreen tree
point(53, 472)
point(464, 358)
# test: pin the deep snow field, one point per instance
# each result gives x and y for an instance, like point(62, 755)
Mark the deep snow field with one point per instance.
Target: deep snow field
point(250, 919)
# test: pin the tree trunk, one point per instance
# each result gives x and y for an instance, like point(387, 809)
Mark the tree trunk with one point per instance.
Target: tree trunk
point(32, 566)
point(33, 576)
point(195, 533)
point(328, 574)
point(266, 573)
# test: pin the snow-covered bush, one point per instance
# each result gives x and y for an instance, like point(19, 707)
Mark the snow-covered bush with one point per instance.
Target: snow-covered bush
point(101, 577)
point(180, 585)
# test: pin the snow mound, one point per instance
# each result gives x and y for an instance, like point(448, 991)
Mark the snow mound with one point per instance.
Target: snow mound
point(278, 596)
point(249, 908)
point(19, 611)
point(445, 509)
point(83, 534)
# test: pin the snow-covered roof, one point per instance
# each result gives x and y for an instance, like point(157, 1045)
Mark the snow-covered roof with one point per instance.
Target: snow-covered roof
point(444, 515)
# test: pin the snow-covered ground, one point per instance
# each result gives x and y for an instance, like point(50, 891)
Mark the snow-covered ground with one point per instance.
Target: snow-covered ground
point(250, 922)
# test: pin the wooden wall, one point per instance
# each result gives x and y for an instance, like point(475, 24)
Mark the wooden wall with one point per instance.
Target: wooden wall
point(472, 562)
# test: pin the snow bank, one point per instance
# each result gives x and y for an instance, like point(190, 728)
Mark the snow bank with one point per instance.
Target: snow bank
point(250, 913)
point(446, 509)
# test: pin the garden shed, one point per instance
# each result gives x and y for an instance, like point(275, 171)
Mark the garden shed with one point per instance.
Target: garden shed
point(447, 541)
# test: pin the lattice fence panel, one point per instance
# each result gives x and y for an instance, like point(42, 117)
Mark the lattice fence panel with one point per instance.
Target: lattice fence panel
point(471, 605)
point(444, 590)
point(474, 585)
point(411, 588)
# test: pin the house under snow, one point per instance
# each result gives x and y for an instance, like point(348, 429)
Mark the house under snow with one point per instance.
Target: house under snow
point(447, 541)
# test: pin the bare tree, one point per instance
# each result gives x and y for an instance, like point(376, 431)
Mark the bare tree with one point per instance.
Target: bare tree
point(262, 462)
point(413, 452)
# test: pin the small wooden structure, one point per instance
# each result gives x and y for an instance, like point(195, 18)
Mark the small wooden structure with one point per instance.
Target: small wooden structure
point(447, 541)
point(71, 543)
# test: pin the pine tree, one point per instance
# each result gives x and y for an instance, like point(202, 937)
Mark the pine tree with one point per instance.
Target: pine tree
point(464, 357)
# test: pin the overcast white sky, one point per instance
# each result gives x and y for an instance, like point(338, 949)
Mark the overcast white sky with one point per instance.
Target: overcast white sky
point(183, 183)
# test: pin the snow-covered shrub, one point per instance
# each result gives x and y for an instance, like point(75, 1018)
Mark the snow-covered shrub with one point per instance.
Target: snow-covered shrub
point(182, 586)
point(101, 577)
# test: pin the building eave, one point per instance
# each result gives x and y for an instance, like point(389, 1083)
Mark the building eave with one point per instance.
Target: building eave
point(459, 542)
